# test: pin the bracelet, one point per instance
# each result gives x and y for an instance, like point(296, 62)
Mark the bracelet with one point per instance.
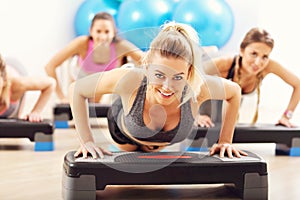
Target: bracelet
point(288, 114)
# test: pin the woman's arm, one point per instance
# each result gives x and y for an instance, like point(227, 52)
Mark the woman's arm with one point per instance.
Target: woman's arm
point(88, 87)
point(75, 47)
point(126, 48)
point(220, 88)
point(233, 99)
point(45, 85)
point(292, 80)
point(218, 66)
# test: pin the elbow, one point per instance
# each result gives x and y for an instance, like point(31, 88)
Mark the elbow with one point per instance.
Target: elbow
point(49, 84)
point(236, 92)
point(52, 83)
point(297, 86)
point(48, 70)
point(238, 89)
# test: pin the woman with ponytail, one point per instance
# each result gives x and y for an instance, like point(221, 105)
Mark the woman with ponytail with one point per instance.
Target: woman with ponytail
point(249, 68)
point(156, 103)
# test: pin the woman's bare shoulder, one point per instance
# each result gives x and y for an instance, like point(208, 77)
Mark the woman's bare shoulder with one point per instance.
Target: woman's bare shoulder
point(124, 46)
point(131, 78)
point(224, 62)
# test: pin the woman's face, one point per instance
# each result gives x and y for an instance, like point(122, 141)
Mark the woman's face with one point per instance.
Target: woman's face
point(255, 57)
point(102, 31)
point(167, 78)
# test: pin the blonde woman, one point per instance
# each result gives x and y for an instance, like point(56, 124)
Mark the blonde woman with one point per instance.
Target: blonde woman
point(157, 103)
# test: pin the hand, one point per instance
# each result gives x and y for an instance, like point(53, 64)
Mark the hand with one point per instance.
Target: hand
point(285, 122)
point(228, 148)
point(33, 117)
point(90, 147)
point(204, 121)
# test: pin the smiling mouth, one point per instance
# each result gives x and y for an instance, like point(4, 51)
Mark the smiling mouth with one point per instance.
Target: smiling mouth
point(166, 94)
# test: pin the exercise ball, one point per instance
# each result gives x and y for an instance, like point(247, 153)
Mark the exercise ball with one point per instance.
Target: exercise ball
point(212, 19)
point(87, 11)
point(136, 16)
point(141, 37)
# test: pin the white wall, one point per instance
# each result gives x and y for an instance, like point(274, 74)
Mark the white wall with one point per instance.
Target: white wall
point(33, 30)
point(280, 19)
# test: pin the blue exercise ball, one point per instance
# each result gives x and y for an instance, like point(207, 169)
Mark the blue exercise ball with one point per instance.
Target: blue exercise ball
point(212, 19)
point(87, 11)
point(136, 16)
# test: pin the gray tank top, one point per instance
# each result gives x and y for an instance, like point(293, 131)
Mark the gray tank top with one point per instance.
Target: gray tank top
point(135, 124)
point(11, 111)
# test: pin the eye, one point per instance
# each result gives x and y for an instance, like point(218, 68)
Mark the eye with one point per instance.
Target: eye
point(159, 76)
point(178, 78)
point(265, 58)
point(254, 54)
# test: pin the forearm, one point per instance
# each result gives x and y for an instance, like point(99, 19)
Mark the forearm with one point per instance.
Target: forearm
point(79, 108)
point(295, 98)
point(44, 97)
point(229, 120)
point(51, 71)
point(59, 92)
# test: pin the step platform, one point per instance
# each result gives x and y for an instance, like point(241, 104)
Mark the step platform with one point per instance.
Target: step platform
point(287, 139)
point(62, 113)
point(83, 177)
point(39, 132)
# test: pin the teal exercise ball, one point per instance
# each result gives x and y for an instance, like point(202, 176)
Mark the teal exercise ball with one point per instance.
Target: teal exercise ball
point(212, 19)
point(137, 19)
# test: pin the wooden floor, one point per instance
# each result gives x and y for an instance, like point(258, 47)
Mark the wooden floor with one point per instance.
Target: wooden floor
point(26, 174)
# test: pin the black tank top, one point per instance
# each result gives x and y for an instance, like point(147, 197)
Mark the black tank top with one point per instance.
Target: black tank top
point(230, 74)
point(135, 124)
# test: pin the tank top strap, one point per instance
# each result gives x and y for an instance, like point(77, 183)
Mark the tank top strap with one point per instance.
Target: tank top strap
point(230, 74)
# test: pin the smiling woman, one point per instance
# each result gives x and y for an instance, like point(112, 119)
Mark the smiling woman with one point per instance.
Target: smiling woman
point(101, 50)
point(250, 67)
point(158, 102)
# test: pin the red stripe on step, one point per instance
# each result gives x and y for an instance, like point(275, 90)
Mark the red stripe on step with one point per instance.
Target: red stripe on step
point(164, 157)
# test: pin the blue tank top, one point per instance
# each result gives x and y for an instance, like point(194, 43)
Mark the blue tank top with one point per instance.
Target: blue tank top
point(135, 124)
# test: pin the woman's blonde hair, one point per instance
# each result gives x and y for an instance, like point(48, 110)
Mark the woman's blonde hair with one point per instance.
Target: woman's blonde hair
point(4, 98)
point(177, 40)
